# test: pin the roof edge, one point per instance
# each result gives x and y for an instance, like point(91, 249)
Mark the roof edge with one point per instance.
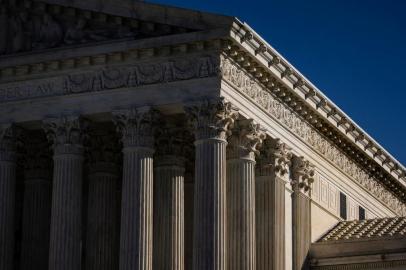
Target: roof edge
point(315, 99)
point(150, 12)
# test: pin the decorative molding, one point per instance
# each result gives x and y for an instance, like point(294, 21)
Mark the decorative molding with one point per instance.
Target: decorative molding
point(251, 88)
point(270, 62)
point(8, 142)
point(103, 147)
point(245, 141)
point(325, 194)
point(33, 25)
point(67, 134)
point(172, 140)
point(108, 78)
point(136, 126)
point(302, 175)
point(275, 157)
point(212, 118)
point(36, 155)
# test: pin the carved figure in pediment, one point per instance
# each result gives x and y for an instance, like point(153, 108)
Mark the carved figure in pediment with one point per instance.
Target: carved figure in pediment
point(21, 28)
point(80, 33)
point(3, 28)
point(50, 33)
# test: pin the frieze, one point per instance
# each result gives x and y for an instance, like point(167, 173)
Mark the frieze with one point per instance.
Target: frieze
point(111, 78)
point(251, 88)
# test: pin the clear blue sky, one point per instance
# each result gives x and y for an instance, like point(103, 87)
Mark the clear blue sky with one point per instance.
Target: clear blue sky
point(353, 50)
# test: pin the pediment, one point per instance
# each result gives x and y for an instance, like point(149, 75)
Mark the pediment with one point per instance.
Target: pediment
point(29, 26)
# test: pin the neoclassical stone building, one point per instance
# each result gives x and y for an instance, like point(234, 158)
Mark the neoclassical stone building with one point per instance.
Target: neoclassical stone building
point(136, 136)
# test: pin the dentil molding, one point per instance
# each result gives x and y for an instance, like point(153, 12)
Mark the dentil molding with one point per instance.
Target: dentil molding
point(251, 88)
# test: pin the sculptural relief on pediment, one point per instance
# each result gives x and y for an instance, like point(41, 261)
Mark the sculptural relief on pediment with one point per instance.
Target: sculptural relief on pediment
point(28, 26)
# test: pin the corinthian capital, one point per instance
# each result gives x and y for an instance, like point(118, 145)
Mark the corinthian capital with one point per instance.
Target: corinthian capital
point(37, 156)
point(172, 140)
point(275, 159)
point(103, 148)
point(136, 126)
point(212, 118)
point(66, 133)
point(302, 174)
point(7, 142)
point(246, 140)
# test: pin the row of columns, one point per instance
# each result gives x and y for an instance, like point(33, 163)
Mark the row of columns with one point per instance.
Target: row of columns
point(238, 216)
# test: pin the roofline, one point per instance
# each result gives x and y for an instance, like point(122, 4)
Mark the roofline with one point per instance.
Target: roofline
point(249, 36)
point(156, 12)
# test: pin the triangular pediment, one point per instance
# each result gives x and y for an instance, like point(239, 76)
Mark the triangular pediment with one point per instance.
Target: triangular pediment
point(39, 25)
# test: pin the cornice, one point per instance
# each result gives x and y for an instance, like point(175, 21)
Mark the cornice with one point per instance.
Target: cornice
point(268, 63)
point(119, 53)
point(294, 116)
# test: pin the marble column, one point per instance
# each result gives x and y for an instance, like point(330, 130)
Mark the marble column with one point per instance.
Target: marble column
point(189, 195)
point(36, 204)
point(102, 226)
point(272, 174)
point(169, 214)
point(7, 195)
point(67, 136)
point(243, 145)
point(136, 127)
point(212, 120)
point(302, 179)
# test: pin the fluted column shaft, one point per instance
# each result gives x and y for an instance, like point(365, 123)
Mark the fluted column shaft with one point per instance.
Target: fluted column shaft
point(302, 179)
point(212, 121)
point(102, 233)
point(272, 176)
point(36, 220)
point(136, 127)
point(270, 223)
point(66, 215)
point(169, 221)
point(241, 214)
point(136, 209)
point(301, 230)
point(246, 138)
point(7, 200)
point(209, 241)
point(65, 247)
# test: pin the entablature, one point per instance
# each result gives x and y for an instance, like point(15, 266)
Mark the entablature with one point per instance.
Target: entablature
point(271, 68)
point(299, 125)
point(200, 39)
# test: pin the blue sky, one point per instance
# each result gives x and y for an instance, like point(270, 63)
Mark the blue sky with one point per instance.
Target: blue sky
point(353, 50)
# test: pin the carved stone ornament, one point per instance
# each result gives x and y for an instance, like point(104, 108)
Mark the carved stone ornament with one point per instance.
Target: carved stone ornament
point(28, 26)
point(136, 126)
point(67, 134)
point(37, 157)
point(302, 174)
point(112, 78)
point(171, 140)
point(246, 140)
point(252, 89)
point(103, 147)
point(7, 143)
point(275, 159)
point(212, 118)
